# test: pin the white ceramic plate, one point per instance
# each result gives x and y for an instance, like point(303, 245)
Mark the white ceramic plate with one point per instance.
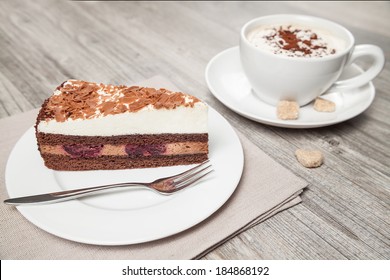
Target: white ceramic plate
point(227, 82)
point(125, 217)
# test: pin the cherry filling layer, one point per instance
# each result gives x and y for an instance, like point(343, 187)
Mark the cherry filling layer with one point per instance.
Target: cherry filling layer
point(146, 150)
point(86, 151)
point(129, 150)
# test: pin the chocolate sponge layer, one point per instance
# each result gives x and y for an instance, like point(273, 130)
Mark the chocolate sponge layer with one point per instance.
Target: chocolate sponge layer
point(136, 139)
point(65, 163)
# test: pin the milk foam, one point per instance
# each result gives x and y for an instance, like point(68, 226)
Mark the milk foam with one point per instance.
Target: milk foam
point(267, 38)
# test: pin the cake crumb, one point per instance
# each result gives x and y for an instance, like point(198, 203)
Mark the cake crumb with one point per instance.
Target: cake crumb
point(309, 158)
point(287, 110)
point(323, 105)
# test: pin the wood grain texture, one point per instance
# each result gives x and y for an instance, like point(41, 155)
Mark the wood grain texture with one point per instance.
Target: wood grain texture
point(345, 213)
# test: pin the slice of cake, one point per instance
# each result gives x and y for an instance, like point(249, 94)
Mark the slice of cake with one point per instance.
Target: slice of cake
point(89, 126)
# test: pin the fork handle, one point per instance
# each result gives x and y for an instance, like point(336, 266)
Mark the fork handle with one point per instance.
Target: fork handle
point(65, 195)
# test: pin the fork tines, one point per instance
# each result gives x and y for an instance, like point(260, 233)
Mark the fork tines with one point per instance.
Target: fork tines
point(192, 175)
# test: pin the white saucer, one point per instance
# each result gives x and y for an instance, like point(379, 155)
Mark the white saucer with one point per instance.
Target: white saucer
point(227, 82)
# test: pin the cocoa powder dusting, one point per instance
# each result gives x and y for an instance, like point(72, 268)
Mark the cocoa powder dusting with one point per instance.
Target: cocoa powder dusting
point(293, 43)
point(298, 42)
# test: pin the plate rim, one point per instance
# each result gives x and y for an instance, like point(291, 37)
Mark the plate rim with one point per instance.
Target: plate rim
point(31, 218)
point(275, 122)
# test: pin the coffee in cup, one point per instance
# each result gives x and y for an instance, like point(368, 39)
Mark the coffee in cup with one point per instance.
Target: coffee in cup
point(296, 57)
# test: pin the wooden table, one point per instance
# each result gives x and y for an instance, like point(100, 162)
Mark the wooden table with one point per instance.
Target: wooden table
point(345, 210)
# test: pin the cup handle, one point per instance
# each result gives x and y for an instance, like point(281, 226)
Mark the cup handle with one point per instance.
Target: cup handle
point(378, 57)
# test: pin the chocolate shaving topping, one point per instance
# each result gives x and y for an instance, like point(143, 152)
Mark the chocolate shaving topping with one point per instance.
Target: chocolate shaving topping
point(77, 99)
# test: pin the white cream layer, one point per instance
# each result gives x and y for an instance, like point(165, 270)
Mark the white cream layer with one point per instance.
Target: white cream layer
point(146, 121)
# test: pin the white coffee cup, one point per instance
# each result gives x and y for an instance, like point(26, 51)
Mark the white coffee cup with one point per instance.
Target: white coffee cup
point(276, 77)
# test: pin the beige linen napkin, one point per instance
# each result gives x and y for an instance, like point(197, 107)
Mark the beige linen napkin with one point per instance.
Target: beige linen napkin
point(265, 189)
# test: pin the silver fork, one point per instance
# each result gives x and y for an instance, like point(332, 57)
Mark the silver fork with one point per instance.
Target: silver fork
point(166, 186)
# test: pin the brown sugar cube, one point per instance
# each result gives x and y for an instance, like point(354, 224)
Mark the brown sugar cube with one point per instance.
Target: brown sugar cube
point(309, 158)
point(287, 110)
point(323, 105)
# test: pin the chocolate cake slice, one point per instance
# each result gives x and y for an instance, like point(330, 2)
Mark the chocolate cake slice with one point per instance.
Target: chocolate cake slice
point(90, 126)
